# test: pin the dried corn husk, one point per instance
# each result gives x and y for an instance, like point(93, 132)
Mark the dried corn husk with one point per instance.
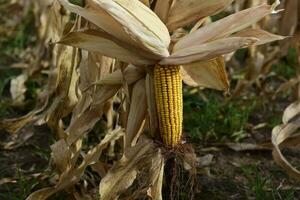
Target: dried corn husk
point(129, 21)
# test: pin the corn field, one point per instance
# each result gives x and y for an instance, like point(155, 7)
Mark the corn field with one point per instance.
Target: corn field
point(149, 99)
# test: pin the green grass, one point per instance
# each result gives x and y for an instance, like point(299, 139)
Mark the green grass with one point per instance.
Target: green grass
point(19, 190)
point(213, 120)
point(262, 187)
point(287, 66)
point(20, 39)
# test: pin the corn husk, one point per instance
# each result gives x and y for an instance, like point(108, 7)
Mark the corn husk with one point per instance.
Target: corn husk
point(208, 74)
point(226, 26)
point(103, 43)
point(184, 12)
point(129, 21)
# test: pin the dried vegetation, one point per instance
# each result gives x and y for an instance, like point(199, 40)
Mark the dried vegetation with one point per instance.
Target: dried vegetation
point(113, 99)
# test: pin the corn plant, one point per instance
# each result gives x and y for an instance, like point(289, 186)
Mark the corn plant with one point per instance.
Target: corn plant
point(153, 56)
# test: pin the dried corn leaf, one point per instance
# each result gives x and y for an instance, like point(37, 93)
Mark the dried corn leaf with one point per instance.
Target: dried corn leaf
point(122, 175)
point(137, 113)
point(129, 21)
point(61, 155)
point(93, 67)
point(184, 12)
point(151, 104)
point(289, 20)
point(81, 124)
point(226, 26)
point(131, 74)
point(162, 8)
point(262, 36)
point(208, 50)
point(96, 41)
point(84, 123)
point(72, 175)
point(65, 96)
point(210, 74)
point(291, 111)
point(249, 146)
point(279, 135)
point(156, 176)
point(13, 126)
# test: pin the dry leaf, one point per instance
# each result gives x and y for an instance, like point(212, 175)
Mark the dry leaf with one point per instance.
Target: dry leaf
point(72, 175)
point(96, 41)
point(162, 8)
point(61, 155)
point(249, 146)
point(137, 113)
point(225, 27)
point(13, 126)
point(151, 105)
point(209, 74)
point(184, 12)
point(290, 112)
point(129, 21)
point(208, 50)
point(279, 135)
point(131, 74)
point(262, 36)
point(156, 176)
point(122, 175)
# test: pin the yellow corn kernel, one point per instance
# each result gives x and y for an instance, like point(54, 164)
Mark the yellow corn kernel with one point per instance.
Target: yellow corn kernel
point(168, 94)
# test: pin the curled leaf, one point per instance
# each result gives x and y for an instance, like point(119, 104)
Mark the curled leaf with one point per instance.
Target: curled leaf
point(156, 176)
point(226, 26)
point(208, 50)
point(72, 175)
point(184, 12)
point(137, 113)
point(131, 74)
point(262, 36)
point(129, 21)
point(279, 135)
point(210, 74)
point(122, 175)
point(93, 40)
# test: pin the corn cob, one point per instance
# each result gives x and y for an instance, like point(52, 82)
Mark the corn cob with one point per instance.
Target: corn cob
point(168, 94)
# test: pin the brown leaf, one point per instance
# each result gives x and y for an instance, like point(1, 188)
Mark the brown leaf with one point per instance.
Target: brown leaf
point(131, 74)
point(249, 146)
point(210, 74)
point(289, 19)
point(262, 36)
point(208, 50)
point(184, 12)
point(13, 126)
point(279, 135)
point(151, 104)
point(61, 155)
point(226, 26)
point(291, 111)
point(72, 175)
point(129, 21)
point(96, 41)
point(162, 8)
point(137, 113)
point(122, 175)
point(156, 176)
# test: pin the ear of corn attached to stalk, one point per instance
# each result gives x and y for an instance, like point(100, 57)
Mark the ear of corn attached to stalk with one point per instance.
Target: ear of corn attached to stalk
point(168, 93)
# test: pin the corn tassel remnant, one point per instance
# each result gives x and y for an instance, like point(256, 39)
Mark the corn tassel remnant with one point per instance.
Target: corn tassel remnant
point(168, 93)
